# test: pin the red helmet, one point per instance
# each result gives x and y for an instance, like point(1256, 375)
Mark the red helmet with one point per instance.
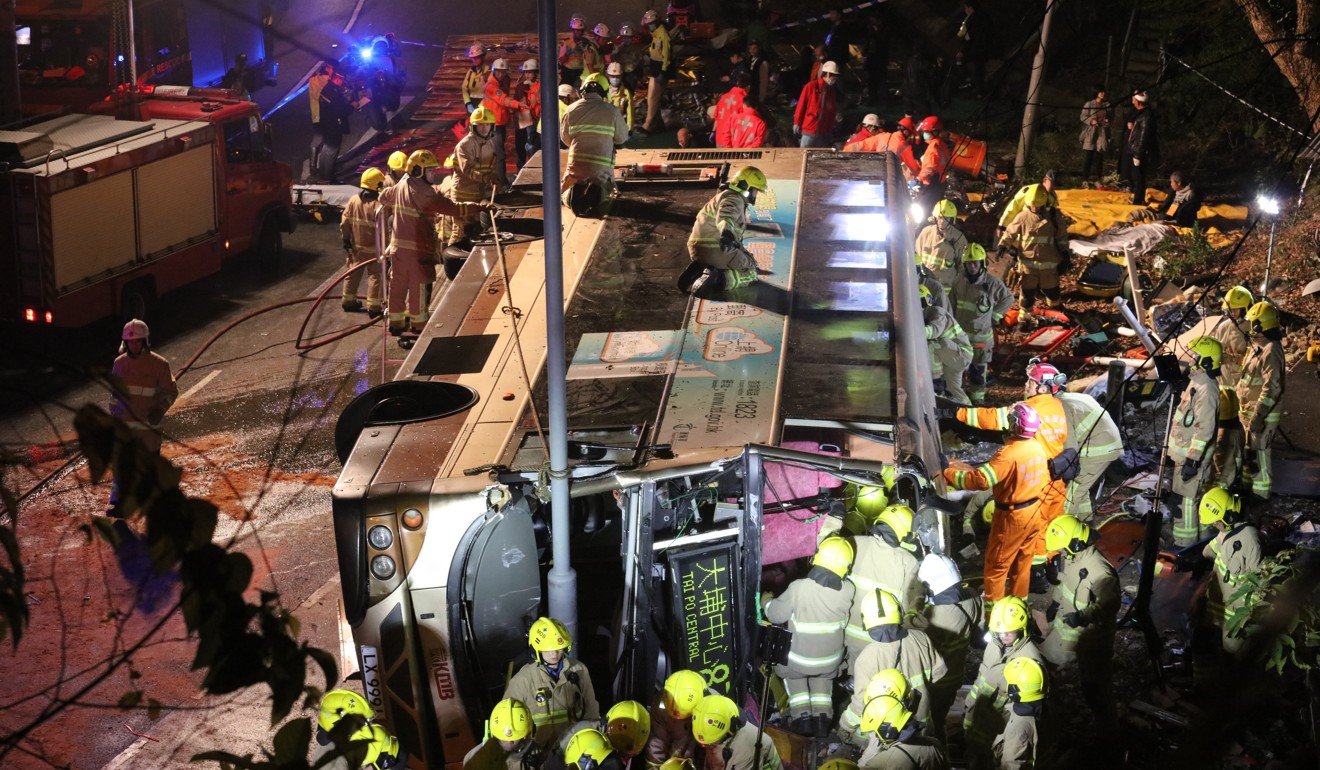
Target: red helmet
point(930, 123)
point(1046, 375)
point(1023, 420)
point(908, 124)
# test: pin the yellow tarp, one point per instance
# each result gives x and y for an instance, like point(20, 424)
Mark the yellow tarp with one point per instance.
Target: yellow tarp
point(1093, 211)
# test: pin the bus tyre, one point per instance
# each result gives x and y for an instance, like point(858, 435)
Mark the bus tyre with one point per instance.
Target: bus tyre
point(136, 301)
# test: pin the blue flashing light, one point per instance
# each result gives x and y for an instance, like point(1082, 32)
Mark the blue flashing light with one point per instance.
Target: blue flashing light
point(367, 53)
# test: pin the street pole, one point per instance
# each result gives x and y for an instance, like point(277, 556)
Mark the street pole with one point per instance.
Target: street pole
point(1033, 92)
point(1269, 257)
point(562, 580)
point(9, 98)
point(132, 48)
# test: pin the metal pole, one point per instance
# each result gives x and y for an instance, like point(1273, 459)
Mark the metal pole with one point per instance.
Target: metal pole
point(1033, 92)
point(132, 48)
point(9, 91)
point(1269, 257)
point(562, 579)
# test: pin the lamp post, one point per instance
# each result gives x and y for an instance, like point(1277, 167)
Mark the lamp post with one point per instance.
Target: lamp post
point(1268, 207)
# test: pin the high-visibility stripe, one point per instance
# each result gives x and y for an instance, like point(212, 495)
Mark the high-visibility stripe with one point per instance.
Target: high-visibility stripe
point(140, 390)
point(599, 129)
point(818, 628)
point(803, 661)
point(551, 718)
point(989, 473)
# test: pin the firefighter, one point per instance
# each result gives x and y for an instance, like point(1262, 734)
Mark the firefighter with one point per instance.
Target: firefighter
point(950, 350)
point(1191, 439)
point(589, 749)
point(1019, 200)
point(382, 750)
point(1237, 554)
point(412, 206)
point(817, 108)
point(604, 41)
point(510, 729)
point(1081, 614)
point(671, 717)
point(397, 162)
point(474, 80)
point(628, 728)
point(554, 686)
point(1260, 395)
point(815, 609)
point(979, 301)
point(882, 561)
point(474, 168)
point(728, 740)
point(983, 711)
point(593, 129)
point(357, 226)
point(144, 391)
point(892, 646)
point(715, 244)
point(952, 616)
point(896, 739)
point(498, 98)
point(935, 159)
point(657, 68)
point(628, 53)
point(620, 94)
point(1039, 238)
point(1017, 746)
point(940, 246)
point(1231, 331)
point(1018, 475)
point(571, 51)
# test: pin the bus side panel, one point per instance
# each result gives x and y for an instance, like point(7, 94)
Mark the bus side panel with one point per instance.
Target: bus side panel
point(391, 669)
point(456, 737)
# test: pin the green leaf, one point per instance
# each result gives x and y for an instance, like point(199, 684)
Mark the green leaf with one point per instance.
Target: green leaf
point(130, 699)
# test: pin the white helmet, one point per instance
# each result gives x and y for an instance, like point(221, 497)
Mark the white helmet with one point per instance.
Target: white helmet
point(625, 30)
point(939, 572)
point(567, 89)
point(475, 50)
point(499, 64)
point(871, 120)
point(135, 330)
point(650, 17)
point(577, 21)
point(614, 70)
point(601, 30)
point(531, 66)
point(829, 67)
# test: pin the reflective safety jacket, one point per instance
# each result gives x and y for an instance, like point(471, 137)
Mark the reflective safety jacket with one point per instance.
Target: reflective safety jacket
point(622, 99)
point(592, 128)
point(1260, 390)
point(979, 305)
point(1015, 747)
point(148, 389)
point(474, 83)
point(935, 162)
point(474, 168)
point(727, 110)
point(555, 703)
point(670, 735)
point(358, 225)
point(1088, 585)
point(915, 752)
point(944, 333)
point(1237, 553)
point(658, 50)
point(983, 712)
point(1018, 476)
point(1018, 203)
point(914, 655)
point(888, 141)
point(880, 565)
point(1090, 426)
point(942, 252)
point(412, 206)
point(951, 628)
point(1041, 238)
point(1233, 339)
point(817, 616)
point(499, 101)
point(1196, 420)
point(739, 752)
point(1053, 433)
point(726, 212)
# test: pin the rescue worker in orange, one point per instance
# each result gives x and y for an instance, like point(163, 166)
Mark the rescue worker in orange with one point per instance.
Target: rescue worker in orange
point(887, 141)
point(144, 391)
point(935, 159)
point(499, 100)
point(869, 127)
point(1016, 475)
point(357, 226)
point(411, 207)
point(527, 135)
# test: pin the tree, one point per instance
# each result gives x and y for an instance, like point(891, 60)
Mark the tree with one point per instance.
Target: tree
point(1294, 51)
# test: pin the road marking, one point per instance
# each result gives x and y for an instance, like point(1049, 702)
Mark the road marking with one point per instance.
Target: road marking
point(187, 394)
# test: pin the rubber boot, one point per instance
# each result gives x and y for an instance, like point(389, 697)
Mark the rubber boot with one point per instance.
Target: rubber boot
point(689, 277)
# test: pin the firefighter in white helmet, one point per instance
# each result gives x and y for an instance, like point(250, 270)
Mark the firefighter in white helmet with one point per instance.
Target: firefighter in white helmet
point(593, 129)
point(620, 94)
point(474, 80)
point(144, 389)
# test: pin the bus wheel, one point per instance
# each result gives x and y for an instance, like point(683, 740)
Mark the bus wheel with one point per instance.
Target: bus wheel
point(270, 245)
point(136, 301)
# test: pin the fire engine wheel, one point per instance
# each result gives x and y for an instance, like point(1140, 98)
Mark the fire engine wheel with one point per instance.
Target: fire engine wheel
point(270, 245)
point(136, 300)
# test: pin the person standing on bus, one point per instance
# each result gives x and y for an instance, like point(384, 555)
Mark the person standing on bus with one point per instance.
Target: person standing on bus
point(671, 717)
point(940, 246)
point(979, 301)
point(474, 168)
point(716, 241)
point(357, 226)
point(657, 69)
point(950, 350)
point(144, 390)
point(815, 609)
point(554, 686)
point(499, 100)
point(884, 560)
point(474, 80)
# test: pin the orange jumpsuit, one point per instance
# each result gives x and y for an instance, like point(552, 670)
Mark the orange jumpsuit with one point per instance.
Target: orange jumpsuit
point(935, 162)
point(888, 141)
point(1017, 474)
point(412, 206)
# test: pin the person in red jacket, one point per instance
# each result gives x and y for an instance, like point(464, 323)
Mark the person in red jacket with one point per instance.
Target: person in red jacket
point(870, 126)
point(728, 109)
point(748, 130)
point(816, 108)
point(501, 103)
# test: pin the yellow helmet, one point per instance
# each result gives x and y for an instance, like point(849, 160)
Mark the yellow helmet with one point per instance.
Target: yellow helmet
point(337, 704)
point(422, 159)
point(1237, 298)
point(548, 634)
point(888, 681)
point(587, 749)
point(924, 292)
point(677, 763)
point(382, 748)
point(1009, 614)
point(595, 80)
point(1066, 532)
point(1037, 195)
point(683, 689)
point(510, 720)
point(838, 763)
point(1025, 679)
point(398, 160)
point(975, 253)
point(1216, 504)
point(1209, 353)
point(870, 501)
point(713, 719)
point(628, 726)
point(482, 115)
point(880, 608)
point(373, 179)
point(1263, 316)
point(834, 554)
point(750, 177)
point(885, 716)
point(898, 517)
point(945, 209)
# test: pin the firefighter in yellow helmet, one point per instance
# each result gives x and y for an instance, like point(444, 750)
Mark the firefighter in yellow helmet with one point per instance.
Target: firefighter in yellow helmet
point(1039, 237)
point(589, 749)
point(1237, 553)
point(1016, 747)
point(716, 242)
point(1082, 614)
point(979, 301)
point(593, 129)
point(397, 163)
point(1191, 440)
point(728, 740)
point(950, 350)
point(1260, 395)
point(952, 616)
point(509, 742)
point(983, 711)
point(556, 688)
point(815, 609)
point(473, 179)
point(884, 558)
point(892, 646)
point(357, 227)
point(1232, 332)
point(628, 728)
point(671, 717)
point(344, 718)
point(940, 246)
point(895, 739)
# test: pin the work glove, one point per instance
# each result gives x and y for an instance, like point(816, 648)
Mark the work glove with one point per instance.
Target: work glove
point(1190, 468)
point(1074, 620)
point(728, 241)
point(1136, 162)
point(1051, 611)
point(945, 412)
point(348, 244)
point(797, 130)
point(1052, 571)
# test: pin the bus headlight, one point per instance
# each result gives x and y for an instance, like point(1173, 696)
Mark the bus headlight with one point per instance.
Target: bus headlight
point(382, 567)
point(380, 537)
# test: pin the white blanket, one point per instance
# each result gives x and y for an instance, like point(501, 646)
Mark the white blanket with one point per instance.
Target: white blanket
point(1135, 240)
